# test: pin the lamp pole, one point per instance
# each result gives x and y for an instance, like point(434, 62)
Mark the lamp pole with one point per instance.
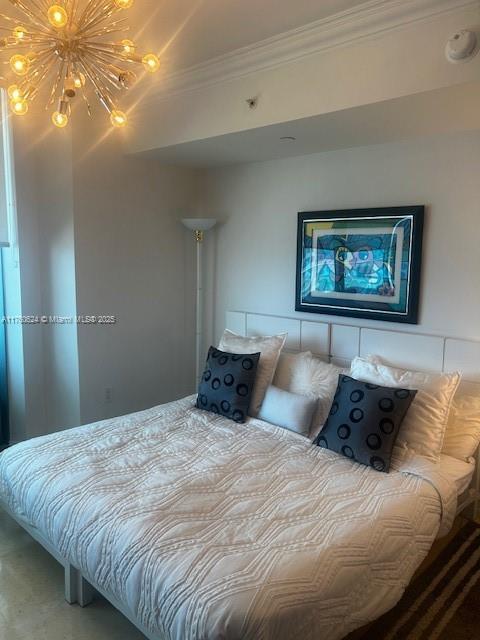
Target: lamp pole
point(199, 226)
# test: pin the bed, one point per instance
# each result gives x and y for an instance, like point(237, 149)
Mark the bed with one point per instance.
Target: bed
point(199, 528)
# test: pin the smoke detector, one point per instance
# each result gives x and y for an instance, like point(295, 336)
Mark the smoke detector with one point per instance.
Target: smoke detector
point(462, 46)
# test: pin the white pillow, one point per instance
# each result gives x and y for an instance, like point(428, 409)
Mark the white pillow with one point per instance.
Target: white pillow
point(269, 348)
point(287, 410)
point(314, 378)
point(423, 428)
point(287, 363)
point(462, 437)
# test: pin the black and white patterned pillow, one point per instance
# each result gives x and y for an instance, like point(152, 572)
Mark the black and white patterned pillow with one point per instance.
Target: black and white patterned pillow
point(227, 383)
point(364, 421)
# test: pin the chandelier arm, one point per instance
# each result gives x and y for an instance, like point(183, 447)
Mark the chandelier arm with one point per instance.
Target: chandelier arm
point(40, 52)
point(47, 67)
point(29, 78)
point(37, 21)
point(101, 8)
point(76, 71)
point(107, 75)
point(55, 77)
point(105, 91)
point(111, 64)
point(106, 30)
point(109, 54)
point(71, 8)
point(63, 79)
point(56, 84)
point(108, 46)
point(25, 41)
point(9, 29)
point(90, 7)
point(87, 103)
point(2, 15)
point(31, 43)
point(109, 61)
point(32, 89)
point(68, 63)
point(96, 20)
point(85, 13)
point(39, 61)
point(111, 25)
point(98, 90)
point(38, 7)
point(45, 4)
point(95, 80)
point(32, 76)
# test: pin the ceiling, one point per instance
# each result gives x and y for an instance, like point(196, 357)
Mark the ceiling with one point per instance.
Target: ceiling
point(442, 111)
point(187, 32)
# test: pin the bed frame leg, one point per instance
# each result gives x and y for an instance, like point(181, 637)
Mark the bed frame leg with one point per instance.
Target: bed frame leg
point(77, 589)
point(85, 592)
point(71, 584)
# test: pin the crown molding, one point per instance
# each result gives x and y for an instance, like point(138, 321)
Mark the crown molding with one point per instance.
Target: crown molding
point(371, 18)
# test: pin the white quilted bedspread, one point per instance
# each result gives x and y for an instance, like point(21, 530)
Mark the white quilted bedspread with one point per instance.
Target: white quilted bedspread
point(211, 530)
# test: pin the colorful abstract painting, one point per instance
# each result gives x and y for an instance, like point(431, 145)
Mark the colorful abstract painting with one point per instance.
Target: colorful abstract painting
point(362, 263)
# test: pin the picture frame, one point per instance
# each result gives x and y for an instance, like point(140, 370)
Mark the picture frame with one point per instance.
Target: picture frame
point(361, 263)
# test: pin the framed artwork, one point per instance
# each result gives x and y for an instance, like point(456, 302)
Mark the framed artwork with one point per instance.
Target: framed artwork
point(363, 263)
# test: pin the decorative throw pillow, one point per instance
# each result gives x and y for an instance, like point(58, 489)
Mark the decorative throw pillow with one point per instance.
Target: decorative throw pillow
point(364, 421)
point(287, 410)
point(227, 383)
point(462, 437)
point(424, 427)
point(314, 378)
point(269, 348)
point(287, 365)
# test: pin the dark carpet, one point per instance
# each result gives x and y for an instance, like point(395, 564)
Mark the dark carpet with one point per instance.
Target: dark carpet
point(443, 603)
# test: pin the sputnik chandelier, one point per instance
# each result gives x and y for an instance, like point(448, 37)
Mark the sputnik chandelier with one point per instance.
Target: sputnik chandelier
point(67, 45)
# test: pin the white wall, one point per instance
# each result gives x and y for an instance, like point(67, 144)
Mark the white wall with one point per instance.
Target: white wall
point(99, 233)
point(42, 359)
point(133, 261)
point(28, 419)
point(57, 275)
point(256, 245)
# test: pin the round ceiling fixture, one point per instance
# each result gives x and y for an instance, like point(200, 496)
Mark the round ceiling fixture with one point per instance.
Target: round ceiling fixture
point(462, 46)
point(287, 139)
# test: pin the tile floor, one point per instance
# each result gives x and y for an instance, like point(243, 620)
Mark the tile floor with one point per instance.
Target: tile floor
point(32, 606)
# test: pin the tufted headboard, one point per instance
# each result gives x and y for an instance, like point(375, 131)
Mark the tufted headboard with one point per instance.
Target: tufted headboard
point(340, 343)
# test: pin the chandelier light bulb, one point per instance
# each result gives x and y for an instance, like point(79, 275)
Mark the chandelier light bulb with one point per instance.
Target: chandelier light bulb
point(19, 33)
point(60, 120)
point(151, 62)
point(118, 118)
point(69, 87)
point(124, 4)
point(57, 16)
point(14, 93)
point(19, 107)
point(20, 64)
point(79, 80)
point(128, 47)
point(127, 79)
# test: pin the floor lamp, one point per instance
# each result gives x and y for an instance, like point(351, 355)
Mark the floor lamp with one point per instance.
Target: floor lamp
point(199, 226)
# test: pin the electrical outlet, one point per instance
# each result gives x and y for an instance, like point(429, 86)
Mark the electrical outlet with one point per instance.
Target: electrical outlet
point(108, 395)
